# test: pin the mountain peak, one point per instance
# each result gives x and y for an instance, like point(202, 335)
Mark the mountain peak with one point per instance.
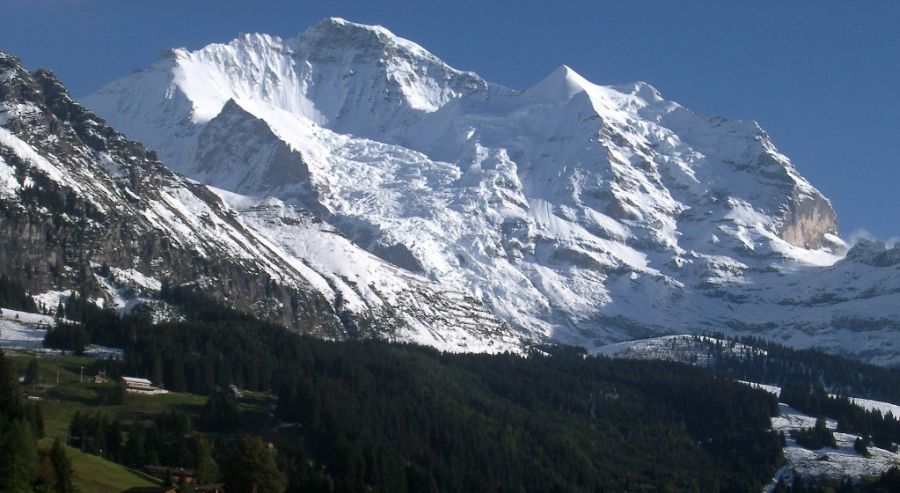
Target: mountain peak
point(8, 60)
point(568, 209)
point(359, 67)
point(341, 23)
point(561, 84)
point(336, 34)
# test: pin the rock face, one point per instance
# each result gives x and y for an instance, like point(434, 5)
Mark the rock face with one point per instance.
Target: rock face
point(809, 221)
point(574, 212)
point(79, 199)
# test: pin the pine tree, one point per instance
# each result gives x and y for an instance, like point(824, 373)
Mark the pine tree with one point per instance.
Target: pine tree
point(62, 466)
point(46, 482)
point(861, 446)
point(10, 402)
point(250, 466)
point(55, 471)
point(179, 383)
point(220, 413)
point(18, 459)
point(205, 466)
point(32, 373)
point(157, 377)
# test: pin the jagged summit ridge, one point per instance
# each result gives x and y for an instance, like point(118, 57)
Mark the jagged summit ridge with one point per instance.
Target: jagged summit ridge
point(576, 212)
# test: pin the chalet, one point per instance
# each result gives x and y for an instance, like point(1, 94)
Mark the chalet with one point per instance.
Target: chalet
point(141, 386)
point(137, 383)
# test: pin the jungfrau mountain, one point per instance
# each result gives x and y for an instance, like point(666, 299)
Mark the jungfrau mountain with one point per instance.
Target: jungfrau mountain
point(407, 199)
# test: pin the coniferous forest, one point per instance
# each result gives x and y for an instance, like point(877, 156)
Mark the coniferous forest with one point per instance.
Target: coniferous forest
point(23, 466)
point(380, 416)
point(780, 365)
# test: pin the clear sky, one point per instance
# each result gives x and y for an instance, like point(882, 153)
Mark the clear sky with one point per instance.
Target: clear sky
point(822, 77)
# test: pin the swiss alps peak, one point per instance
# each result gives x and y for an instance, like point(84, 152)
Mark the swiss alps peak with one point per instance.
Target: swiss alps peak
point(572, 211)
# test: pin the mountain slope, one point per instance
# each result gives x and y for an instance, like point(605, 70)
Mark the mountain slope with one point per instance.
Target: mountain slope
point(85, 210)
point(577, 213)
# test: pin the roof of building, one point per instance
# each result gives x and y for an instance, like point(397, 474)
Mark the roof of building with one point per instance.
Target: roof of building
point(137, 380)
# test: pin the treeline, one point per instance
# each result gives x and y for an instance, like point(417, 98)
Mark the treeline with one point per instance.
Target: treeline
point(80, 323)
point(778, 365)
point(67, 336)
point(882, 430)
point(169, 439)
point(171, 442)
point(23, 467)
point(399, 418)
point(14, 296)
point(377, 416)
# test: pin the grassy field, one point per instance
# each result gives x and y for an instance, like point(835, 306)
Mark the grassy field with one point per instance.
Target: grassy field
point(96, 475)
point(66, 368)
point(60, 401)
point(63, 392)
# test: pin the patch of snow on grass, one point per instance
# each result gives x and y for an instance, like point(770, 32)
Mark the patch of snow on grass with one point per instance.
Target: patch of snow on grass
point(839, 462)
point(21, 330)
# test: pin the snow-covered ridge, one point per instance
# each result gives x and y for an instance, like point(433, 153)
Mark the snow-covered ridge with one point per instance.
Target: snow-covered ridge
point(78, 195)
point(690, 349)
point(576, 212)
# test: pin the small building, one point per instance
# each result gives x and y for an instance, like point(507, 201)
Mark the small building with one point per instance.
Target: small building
point(100, 377)
point(137, 383)
point(141, 386)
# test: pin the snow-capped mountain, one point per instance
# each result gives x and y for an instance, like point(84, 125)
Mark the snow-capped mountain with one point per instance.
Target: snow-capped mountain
point(85, 210)
point(574, 212)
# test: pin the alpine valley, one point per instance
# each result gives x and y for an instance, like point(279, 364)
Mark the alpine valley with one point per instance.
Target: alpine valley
point(347, 183)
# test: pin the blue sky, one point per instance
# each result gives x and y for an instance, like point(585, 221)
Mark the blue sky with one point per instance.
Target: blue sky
point(823, 78)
